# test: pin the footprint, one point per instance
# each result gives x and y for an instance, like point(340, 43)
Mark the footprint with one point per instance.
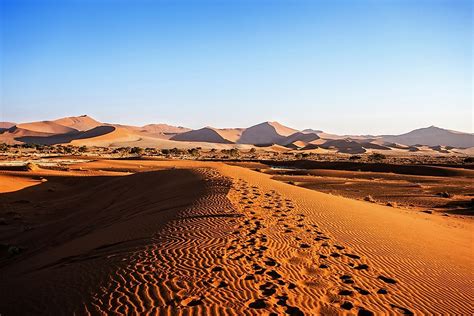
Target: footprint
point(362, 267)
point(268, 289)
point(347, 305)
point(273, 274)
point(352, 256)
point(258, 304)
point(345, 292)
point(270, 262)
point(364, 312)
point(291, 286)
point(249, 277)
point(191, 301)
point(347, 279)
point(405, 311)
point(216, 269)
point(219, 284)
point(361, 291)
point(294, 311)
point(386, 280)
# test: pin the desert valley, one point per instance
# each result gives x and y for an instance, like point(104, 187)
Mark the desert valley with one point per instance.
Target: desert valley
point(99, 218)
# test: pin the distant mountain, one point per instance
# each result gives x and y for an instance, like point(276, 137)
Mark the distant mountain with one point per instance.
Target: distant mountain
point(266, 133)
point(432, 136)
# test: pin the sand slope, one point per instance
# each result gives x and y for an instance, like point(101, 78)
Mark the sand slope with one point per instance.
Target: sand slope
point(214, 239)
point(48, 127)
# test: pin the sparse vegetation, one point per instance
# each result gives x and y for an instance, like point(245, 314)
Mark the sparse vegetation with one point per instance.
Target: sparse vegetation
point(137, 151)
point(194, 152)
point(376, 157)
point(469, 160)
point(444, 194)
point(31, 166)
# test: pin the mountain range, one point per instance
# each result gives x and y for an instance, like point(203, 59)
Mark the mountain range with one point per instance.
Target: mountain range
point(84, 130)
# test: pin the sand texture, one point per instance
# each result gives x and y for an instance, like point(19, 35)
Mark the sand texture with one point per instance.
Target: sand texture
point(195, 238)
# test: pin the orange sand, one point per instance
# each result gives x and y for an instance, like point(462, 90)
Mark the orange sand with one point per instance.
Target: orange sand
point(209, 238)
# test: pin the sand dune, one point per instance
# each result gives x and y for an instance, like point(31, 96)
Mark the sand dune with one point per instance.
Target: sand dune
point(296, 144)
point(210, 135)
point(51, 139)
point(105, 136)
point(303, 137)
point(266, 133)
point(6, 125)
point(433, 136)
point(164, 129)
point(48, 127)
point(160, 131)
point(28, 133)
point(344, 145)
point(435, 140)
point(209, 238)
point(80, 123)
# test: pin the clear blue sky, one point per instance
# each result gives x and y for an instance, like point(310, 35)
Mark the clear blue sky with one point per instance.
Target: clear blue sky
point(360, 67)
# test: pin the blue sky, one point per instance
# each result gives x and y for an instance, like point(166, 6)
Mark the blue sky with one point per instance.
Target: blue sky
point(361, 67)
